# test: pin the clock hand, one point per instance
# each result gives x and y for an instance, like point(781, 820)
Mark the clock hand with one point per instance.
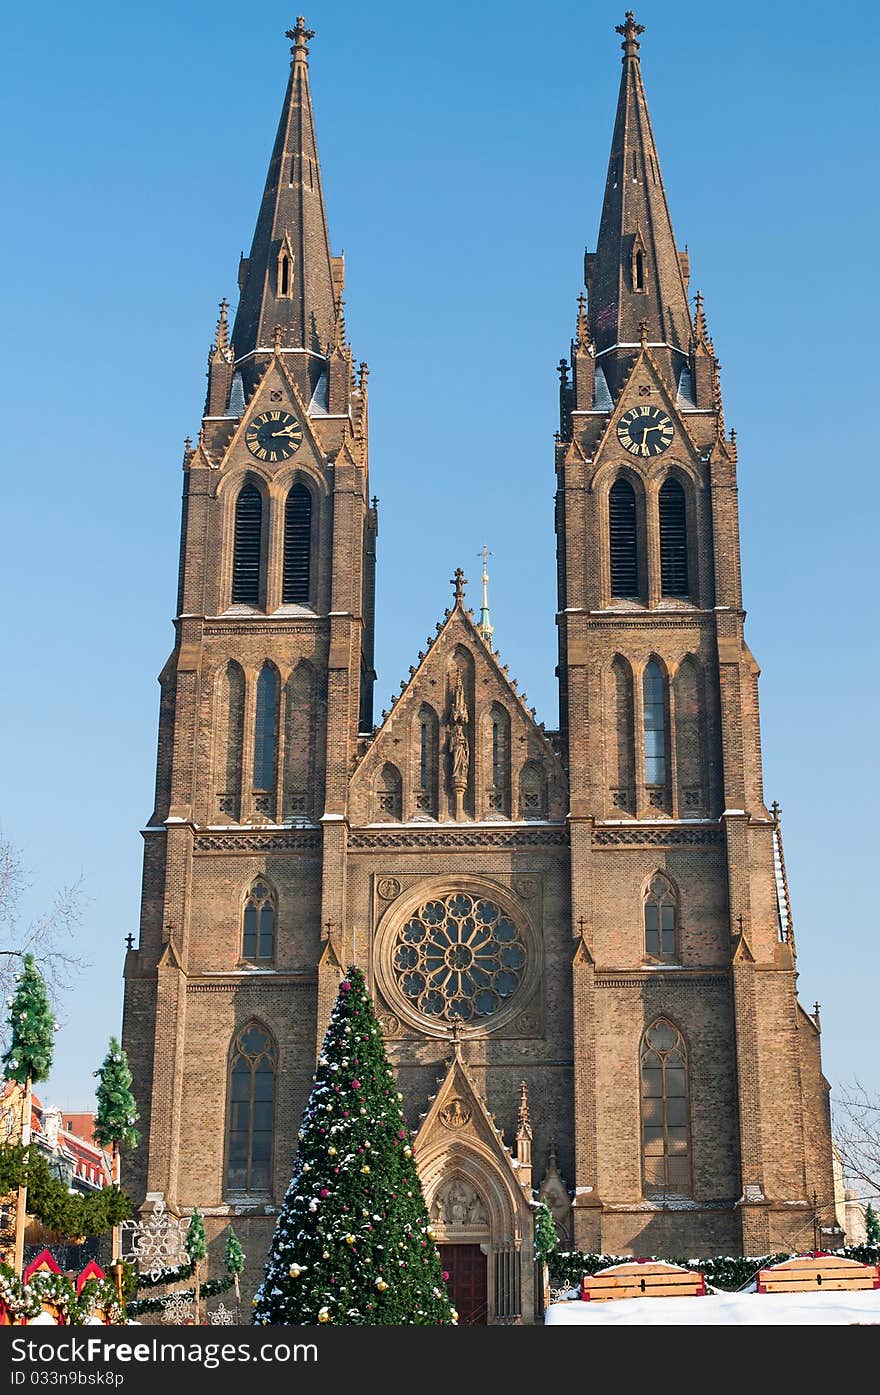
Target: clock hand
point(288, 431)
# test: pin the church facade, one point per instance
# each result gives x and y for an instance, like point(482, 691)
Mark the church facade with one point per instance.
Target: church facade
point(579, 941)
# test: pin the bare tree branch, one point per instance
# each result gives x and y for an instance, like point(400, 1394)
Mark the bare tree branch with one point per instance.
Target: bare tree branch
point(51, 937)
point(857, 1135)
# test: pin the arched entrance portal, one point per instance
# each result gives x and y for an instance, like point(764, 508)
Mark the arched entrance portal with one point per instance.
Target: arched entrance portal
point(480, 1220)
point(461, 1224)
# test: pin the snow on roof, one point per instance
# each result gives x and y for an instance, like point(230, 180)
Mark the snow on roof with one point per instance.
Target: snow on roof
point(723, 1309)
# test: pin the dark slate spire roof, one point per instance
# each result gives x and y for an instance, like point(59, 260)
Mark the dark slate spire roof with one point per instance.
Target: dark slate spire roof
point(291, 221)
point(636, 274)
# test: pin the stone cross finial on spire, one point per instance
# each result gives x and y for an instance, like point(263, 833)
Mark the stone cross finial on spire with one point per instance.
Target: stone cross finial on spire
point(301, 37)
point(630, 31)
point(459, 582)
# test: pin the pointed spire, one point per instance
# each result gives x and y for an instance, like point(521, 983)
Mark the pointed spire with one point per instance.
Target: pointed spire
point(583, 339)
point(701, 332)
point(288, 277)
point(524, 1128)
point(636, 273)
point(221, 336)
point(484, 625)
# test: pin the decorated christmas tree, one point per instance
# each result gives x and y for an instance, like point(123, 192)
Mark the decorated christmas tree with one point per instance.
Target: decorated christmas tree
point(28, 1059)
point(116, 1114)
point(353, 1244)
point(233, 1261)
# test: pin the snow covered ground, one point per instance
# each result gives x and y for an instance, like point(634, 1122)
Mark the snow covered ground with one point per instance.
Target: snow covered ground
point(722, 1309)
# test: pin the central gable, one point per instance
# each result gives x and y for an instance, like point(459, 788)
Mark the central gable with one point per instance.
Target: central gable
point(459, 743)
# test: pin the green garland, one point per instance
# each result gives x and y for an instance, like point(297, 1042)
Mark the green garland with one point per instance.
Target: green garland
point(166, 1276)
point(157, 1305)
point(50, 1201)
point(726, 1272)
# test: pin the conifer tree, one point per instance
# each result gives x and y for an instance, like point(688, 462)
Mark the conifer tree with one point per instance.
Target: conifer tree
point(27, 1061)
point(353, 1245)
point(233, 1262)
point(197, 1249)
point(872, 1225)
point(116, 1115)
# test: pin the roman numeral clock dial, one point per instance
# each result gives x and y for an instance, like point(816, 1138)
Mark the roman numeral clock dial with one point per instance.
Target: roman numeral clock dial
point(645, 431)
point(274, 436)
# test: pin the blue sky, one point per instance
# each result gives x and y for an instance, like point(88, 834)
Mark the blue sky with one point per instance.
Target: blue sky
point(464, 156)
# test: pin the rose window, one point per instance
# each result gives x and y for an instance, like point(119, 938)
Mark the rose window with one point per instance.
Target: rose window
point(459, 957)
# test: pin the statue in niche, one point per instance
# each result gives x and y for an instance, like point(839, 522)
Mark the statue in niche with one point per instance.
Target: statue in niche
point(457, 1204)
point(458, 749)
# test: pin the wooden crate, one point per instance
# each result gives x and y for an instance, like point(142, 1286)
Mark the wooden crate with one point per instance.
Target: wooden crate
point(642, 1279)
point(814, 1272)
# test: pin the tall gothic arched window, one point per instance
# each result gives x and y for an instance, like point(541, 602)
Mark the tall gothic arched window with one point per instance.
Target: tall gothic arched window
point(673, 539)
point(252, 1063)
point(666, 1163)
point(266, 730)
point(655, 710)
point(297, 546)
point(661, 916)
point(428, 760)
point(230, 728)
point(258, 924)
point(247, 546)
point(623, 535)
point(499, 735)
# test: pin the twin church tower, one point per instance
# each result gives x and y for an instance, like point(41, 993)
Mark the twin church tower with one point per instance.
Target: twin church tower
point(579, 941)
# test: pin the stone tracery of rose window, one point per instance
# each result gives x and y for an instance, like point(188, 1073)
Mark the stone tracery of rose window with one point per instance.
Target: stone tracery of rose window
point(459, 958)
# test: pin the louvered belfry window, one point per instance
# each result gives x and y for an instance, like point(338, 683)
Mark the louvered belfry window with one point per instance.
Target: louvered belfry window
point(624, 545)
point(247, 546)
point(297, 545)
point(673, 540)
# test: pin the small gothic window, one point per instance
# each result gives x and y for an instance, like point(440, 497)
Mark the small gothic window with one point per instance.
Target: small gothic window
point(654, 693)
point(673, 539)
point(252, 1067)
point(266, 729)
point(660, 918)
point(640, 271)
point(297, 545)
point(623, 538)
point(284, 275)
point(665, 1150)
point(247, 546)
point(635, 160)
point(258, 924)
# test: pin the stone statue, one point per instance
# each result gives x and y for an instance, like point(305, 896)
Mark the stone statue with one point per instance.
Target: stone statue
point(458, 749)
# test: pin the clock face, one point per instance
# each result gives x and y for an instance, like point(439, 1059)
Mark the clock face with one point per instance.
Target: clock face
point(645, 431)
point(274, 436)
